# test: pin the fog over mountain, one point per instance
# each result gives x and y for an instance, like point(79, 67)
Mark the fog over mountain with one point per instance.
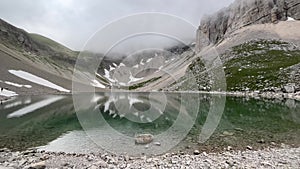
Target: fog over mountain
point(72, 22)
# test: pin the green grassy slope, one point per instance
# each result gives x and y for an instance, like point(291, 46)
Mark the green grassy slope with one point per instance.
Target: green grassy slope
point(259, 65)
point(53, 45)
point(263, 65)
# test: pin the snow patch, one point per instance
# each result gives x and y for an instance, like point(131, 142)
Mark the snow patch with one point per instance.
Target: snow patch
point(17, 85)
point(96, 83)
point(149, 60)
point(133, 79)
point(106, 74)
point(111, 68)
point(7, 93)
point(35, 79)
point(122, 84)
point(122, 65)
point(141, 62)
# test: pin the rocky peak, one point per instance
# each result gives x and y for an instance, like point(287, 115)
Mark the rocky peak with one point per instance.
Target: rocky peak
point(214, 28)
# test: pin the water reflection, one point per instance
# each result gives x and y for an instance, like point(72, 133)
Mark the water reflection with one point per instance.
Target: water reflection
point(39, 127)
point(17, 102)
point(118, 117)
point(114, 119)
point(32, 107)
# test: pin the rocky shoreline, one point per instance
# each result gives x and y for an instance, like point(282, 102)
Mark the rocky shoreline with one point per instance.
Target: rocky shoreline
point(266, 95)
point(268, 158)
point(275, 93)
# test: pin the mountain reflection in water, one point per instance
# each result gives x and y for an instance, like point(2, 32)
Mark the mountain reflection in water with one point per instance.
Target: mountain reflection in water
point(56, 126)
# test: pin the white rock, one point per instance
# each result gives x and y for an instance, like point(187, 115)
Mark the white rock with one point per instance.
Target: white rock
point(39, 165)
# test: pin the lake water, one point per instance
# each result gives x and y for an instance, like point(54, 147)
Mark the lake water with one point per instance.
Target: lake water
point(178, 121)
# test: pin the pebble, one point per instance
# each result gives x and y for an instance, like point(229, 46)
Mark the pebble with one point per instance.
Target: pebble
point(4, 150)
point(22, 162)
point(157, 143)
point(90, 158)
point(101, 163)
point(226, 133)
point(65, 164)
point(229, 148)
point(261, 141)
point(249, 147)
point(196, 152)
point(239, 129)
point(149, 160)
point(174, 161)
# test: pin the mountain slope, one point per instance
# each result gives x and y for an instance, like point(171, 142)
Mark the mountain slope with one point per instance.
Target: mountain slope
point(34, 54)
point(35, 47)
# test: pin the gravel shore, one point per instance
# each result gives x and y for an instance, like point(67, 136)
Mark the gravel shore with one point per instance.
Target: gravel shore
point(268, 158)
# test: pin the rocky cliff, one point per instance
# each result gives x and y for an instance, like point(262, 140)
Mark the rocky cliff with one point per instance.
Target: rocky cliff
point(241, 13)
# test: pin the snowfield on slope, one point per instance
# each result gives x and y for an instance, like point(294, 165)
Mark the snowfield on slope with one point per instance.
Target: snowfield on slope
point(38, 80)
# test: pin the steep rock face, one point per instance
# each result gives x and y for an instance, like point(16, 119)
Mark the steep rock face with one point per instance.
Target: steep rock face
point(243, 13)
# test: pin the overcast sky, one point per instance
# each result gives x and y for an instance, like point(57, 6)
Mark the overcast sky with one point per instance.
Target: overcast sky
point(72, 22)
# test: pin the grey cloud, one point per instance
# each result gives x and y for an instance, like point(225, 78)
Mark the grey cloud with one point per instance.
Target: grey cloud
point(72, 22)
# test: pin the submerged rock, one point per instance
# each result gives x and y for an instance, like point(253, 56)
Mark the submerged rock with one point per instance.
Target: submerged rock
point(157, 143)
point(144, 139)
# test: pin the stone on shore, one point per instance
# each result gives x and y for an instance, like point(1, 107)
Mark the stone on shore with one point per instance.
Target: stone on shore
point(289, 88)
point(39, 165)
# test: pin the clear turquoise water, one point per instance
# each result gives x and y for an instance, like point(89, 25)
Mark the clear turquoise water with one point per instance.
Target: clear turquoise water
point(50, 122)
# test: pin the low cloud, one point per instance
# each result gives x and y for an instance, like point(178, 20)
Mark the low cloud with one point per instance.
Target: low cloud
point(73, 22)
